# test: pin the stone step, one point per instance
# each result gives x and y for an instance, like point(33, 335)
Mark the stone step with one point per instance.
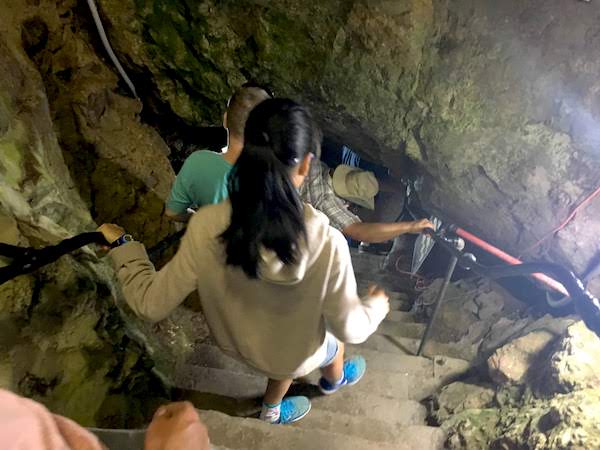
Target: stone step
point(228, 383)
point(211, 356)
point(207, 355)
point(240, 433)
point(365, 427)
point(415, 365)
point(114, 439)
point(394, 412)
point(409, 346)
point(400, 305)
point(401, 329)
point(400, 316)
point(393, 385)
point(129, 439)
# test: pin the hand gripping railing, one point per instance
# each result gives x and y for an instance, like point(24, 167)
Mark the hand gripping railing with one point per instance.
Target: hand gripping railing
point(586, 304)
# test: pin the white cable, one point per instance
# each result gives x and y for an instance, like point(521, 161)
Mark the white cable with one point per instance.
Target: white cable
point(108, 48)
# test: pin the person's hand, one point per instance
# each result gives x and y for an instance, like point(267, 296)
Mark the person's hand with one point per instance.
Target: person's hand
point(381, 298)
point(176, 426)
point(111, 232)
point(418, 226)
point(376, 291)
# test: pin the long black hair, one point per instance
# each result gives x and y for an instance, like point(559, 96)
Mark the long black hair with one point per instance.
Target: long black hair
point(266, 209)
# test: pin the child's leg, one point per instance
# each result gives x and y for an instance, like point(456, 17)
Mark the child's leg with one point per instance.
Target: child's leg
point(340, 373)
point(276, 409)
point(276, 389)
point(335, 370)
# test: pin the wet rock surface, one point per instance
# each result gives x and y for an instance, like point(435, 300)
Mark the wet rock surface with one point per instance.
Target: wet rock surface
point(497, 105)
point(74, 153)
point(546, 400)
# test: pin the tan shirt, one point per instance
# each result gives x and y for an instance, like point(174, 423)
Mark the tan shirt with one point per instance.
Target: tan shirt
point(276, 324)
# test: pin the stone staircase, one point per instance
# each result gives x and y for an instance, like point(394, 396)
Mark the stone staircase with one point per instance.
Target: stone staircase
point(382, 411)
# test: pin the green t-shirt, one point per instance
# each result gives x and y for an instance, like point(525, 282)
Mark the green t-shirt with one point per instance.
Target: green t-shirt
point(201, 181)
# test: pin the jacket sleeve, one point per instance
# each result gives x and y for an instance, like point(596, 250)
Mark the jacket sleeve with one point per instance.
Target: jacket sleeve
point(154, 295)
point(350, 318)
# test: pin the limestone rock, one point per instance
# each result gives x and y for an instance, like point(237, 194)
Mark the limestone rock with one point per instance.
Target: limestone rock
point(506, 329)
point(471, 429)
point(575, 361)
point(469, 312)
point(496, 105)
point(512, 363)
point(62, 340)
point(459, 396)
point(565, 422)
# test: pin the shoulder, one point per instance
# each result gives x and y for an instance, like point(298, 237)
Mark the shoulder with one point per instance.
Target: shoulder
point(202, 156)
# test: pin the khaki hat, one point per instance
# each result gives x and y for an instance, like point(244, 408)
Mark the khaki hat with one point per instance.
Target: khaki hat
point(355, 185)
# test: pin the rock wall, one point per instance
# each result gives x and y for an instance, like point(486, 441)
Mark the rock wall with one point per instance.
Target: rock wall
point(63, 341)
point(496, 103)
point(544, 401)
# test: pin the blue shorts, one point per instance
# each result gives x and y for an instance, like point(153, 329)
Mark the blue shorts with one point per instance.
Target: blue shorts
point(332, 349)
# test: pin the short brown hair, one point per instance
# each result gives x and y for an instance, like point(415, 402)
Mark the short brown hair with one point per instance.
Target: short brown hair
point(239, 106)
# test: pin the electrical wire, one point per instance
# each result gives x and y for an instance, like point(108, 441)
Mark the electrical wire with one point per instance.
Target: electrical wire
point(108, 48)
point(565, 222)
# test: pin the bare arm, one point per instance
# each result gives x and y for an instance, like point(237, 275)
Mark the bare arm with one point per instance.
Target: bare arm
point(381, 232)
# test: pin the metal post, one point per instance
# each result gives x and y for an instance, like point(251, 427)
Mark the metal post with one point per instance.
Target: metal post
point(438, 302)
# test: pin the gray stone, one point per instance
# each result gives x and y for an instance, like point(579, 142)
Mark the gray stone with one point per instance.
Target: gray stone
point(457, 397)
point(512, 363)
point(575, 361)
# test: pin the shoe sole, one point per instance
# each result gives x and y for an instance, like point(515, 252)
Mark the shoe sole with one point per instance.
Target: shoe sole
point(299, 417)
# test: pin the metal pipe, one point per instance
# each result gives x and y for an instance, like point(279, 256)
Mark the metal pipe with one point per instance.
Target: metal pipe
point(507, 258)
point(438, 302)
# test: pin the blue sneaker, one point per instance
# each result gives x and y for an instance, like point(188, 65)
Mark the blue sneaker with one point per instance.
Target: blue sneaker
point(354, 369)
point(293, 409)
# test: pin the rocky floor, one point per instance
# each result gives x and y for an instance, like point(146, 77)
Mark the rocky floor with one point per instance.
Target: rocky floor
point(383, 411)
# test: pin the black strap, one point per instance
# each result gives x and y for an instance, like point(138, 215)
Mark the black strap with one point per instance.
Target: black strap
point(155, 252)
point(28, 259)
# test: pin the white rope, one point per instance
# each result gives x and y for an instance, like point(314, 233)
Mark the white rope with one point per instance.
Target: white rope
point(108, 48)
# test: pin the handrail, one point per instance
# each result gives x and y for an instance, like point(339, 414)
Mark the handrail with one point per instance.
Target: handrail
point(28, 259)
point(586, 304)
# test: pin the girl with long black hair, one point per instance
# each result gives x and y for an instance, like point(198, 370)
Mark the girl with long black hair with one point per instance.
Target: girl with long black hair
point(275, 280)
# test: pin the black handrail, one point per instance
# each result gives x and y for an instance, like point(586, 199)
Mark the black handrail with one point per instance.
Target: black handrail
point(28, 259)
point(586, 304)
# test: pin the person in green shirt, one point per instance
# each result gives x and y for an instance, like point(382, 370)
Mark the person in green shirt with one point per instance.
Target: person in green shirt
point(202, 179)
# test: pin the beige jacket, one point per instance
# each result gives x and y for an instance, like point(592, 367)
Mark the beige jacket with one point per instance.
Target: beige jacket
point(276, 324)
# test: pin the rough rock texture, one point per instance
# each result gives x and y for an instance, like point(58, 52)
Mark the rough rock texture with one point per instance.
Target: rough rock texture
point(62, 339)
point(497, 103)
point(459, 396)
point(574, 363)
point(513, 362)
point(470, 311)
point(555, 407)
point(106, 147)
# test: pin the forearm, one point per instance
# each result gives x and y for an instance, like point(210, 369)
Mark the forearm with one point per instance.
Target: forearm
point(377, 232)
point(151, 295)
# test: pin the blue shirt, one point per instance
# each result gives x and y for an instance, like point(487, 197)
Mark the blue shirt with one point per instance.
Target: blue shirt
point(201, 181)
